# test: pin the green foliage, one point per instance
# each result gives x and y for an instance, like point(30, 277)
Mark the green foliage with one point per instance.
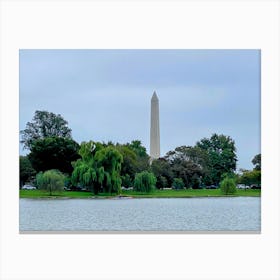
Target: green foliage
point(188, 163)
point(162, 182)
point(67, 181)
point(142, 158)
point(53, 153)
point(250, 177)
point(83, 174)
point(163, 172)
point(26, 171)
point(102, 167)
point(144, 182)
point(39, 180)
point(99, 168)
point(108, 162)
point(129, 165)
point(178, 183)
point(111, 164)
point(228, 186)
point(137, 147)
point(127, 181)
point(44, 124)
point(257, 161)
point(85, 171)
point(51, 181)
point(221, 153)
point(230, 175)
point(88, 150)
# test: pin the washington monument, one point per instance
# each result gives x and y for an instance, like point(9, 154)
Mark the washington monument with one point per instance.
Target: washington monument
point(154, 132)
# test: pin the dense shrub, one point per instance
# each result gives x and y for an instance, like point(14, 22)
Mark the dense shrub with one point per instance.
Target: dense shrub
point(144, 182)
point(161, 182)
point(228, 186)
point(127, 182)
point(178, 183)
point(51, 180)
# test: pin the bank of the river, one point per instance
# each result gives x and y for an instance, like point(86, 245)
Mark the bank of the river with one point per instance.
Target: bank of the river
point(155, 194)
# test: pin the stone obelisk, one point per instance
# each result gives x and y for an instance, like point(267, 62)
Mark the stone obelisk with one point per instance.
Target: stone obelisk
point(154, 132)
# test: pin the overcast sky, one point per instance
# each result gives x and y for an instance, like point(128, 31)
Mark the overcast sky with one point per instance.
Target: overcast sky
point(105, 94)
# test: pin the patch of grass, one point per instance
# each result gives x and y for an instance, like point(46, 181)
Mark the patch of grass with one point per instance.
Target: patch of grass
point(44, 194)
point(191, 193)
point(154, 194)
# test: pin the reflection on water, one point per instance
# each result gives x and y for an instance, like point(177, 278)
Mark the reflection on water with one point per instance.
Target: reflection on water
point(161, 214)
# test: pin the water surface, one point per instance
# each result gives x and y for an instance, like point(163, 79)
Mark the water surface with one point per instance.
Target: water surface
point(151, 214)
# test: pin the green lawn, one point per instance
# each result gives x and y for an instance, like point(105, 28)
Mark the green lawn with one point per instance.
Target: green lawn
point(190, 193)
point(39, 194)
point(155, 194)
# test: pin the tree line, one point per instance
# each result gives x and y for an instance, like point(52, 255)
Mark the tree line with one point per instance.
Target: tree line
point(106, 167)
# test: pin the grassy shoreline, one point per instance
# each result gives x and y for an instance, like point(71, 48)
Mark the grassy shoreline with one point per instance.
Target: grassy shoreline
point(156, 194)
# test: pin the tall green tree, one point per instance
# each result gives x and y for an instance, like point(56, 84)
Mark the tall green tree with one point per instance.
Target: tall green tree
point(26, 171)
point(110, 160)
point(44, 124)
point(189, 164)
point(142, 158)
point(85, 170)
point(129, 165)
point(257, 161)
point(53, 153)
point(99, 168)
point(161, 168)
point(222, 157)
point(138, 148)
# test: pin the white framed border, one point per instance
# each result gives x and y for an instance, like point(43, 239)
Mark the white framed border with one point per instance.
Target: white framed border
point(88, 24)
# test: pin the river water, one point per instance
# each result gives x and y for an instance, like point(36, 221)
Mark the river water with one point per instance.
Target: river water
point(151, 214)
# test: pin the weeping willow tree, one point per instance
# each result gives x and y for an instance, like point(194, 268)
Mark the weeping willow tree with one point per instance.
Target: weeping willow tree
point(99, 168)
point(108, 161)
point(51, 181)
point(144, 182)
point(84, 171)
point(228, 186)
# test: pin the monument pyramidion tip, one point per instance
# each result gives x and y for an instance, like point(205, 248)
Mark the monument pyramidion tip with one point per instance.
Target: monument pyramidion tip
point(154, 96)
